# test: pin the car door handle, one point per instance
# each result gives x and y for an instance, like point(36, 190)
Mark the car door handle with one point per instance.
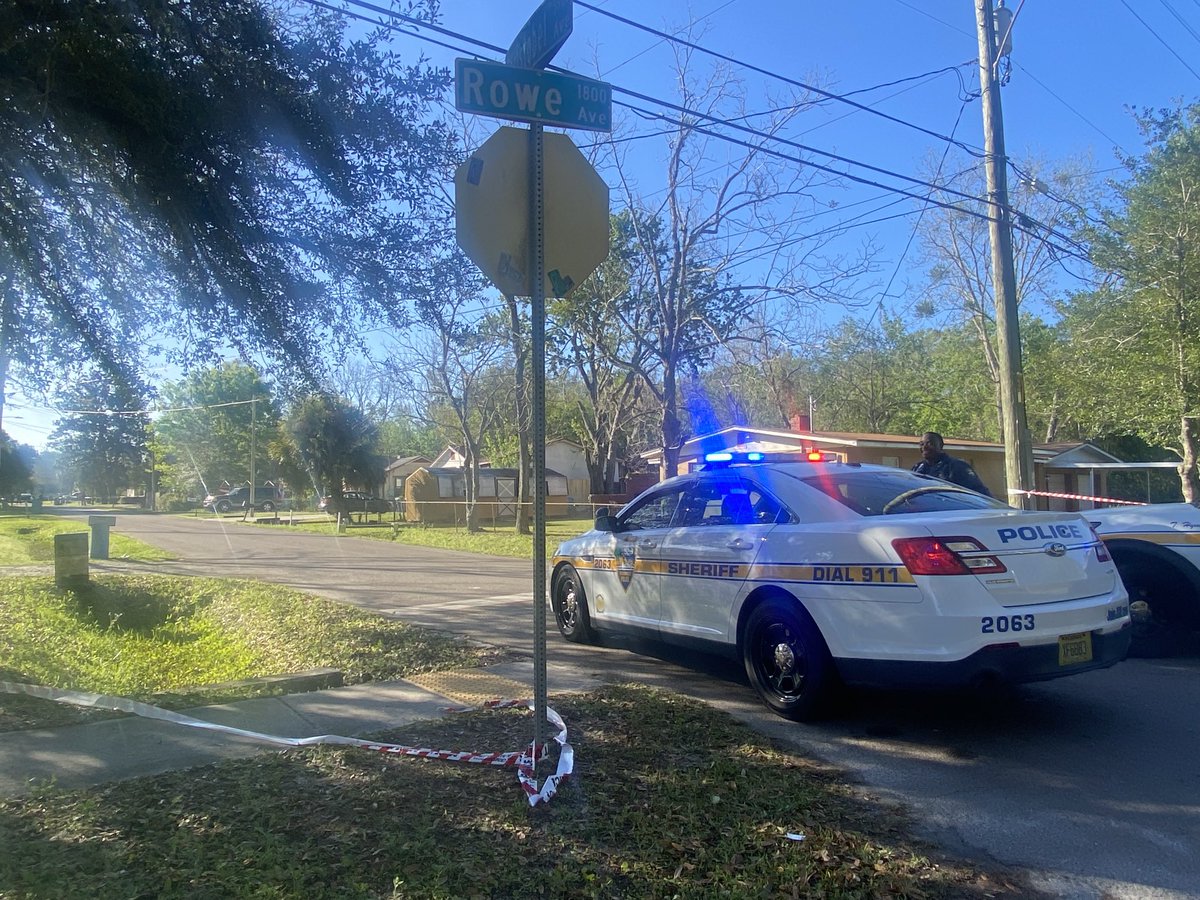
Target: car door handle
point(740, 544)
point(648, 544)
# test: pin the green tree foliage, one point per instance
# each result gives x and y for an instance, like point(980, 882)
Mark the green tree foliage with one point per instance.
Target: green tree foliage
point(956, 249)
point(232, 171)
point(1138, 338)
point(217, 419)
point(405, 436)
point(869, 377)
point(103, 437)
point(336, 444)
point(16, 472)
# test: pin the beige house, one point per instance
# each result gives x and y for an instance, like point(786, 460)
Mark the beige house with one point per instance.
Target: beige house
point(1077, 469)
point(569, 458)
point(396, 473)
point(438, 495)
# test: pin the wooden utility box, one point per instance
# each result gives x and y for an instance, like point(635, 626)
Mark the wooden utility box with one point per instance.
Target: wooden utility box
point(71, 559)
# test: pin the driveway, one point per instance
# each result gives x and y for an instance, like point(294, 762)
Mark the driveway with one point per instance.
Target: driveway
point(1090, 782)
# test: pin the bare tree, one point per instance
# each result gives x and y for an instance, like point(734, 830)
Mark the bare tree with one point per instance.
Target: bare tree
point(369, 387)
point(452, 354)
point(723, 237)
point(957, 252)
point(608, 361)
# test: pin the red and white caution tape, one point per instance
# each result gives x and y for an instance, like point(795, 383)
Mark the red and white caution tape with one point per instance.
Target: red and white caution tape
point(522, 759)
point(1077, 497)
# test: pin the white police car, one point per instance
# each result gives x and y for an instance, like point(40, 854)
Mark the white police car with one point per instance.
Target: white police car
point(1156, 549)
point(820, 573)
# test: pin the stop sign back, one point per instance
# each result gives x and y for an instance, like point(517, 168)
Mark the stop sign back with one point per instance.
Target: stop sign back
point(492, 215)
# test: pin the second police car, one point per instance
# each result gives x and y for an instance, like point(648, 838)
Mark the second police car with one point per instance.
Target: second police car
point(1156, 548)
point(820, 573)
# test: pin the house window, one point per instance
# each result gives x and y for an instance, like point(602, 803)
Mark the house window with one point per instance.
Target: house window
point(451, 486)
point(893, 461)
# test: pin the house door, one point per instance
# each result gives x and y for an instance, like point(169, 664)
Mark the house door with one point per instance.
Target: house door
point(506, 496)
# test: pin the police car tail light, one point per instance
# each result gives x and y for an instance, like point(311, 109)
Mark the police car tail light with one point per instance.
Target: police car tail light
point(943, 556)
point(1102, 553)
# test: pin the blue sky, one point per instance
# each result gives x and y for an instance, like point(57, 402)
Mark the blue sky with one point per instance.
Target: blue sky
point(1077, 69)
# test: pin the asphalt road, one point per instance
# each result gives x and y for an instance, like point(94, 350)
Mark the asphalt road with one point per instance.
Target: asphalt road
point(1092, 783)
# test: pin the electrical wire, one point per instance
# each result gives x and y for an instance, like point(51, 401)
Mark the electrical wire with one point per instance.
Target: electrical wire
point(718, 121)
point(841, 98)
point(1181, 20)
point(1024, 71)
point(684, 111)
point(917, 225)
point(1160, 39)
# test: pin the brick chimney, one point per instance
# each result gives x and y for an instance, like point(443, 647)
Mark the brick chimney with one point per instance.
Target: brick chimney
point(800, 423)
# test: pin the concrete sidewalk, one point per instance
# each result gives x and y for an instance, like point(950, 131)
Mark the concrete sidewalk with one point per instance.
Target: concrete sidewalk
point(84, 755)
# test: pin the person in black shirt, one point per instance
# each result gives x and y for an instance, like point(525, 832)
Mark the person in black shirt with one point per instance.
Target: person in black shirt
point(940, 464)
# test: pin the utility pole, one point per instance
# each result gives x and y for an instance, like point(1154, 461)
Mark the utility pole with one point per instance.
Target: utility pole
point(1018, 451)
point(253, 429)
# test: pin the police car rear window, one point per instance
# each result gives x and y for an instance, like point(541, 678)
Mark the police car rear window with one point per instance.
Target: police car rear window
point(871, 493)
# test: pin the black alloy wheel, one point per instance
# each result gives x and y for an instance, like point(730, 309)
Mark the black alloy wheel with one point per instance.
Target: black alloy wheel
point(570, 606)
point(787, 661)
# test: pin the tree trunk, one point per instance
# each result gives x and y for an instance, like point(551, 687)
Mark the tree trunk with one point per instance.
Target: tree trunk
point(671, 432)
point(1189, 439)
point(610, 475)
point(524, 460)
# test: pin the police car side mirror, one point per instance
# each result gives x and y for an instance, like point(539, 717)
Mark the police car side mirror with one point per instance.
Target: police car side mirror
point(605, 522)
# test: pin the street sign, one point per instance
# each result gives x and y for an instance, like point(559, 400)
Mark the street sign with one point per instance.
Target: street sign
point(528, 95)
point(491, 199)
point(545, 32)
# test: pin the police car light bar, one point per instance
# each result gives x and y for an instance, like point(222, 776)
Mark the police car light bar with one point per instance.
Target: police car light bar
point(730, 457)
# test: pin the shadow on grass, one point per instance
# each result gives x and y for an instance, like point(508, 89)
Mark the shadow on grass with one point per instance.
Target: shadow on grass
point(669, 798)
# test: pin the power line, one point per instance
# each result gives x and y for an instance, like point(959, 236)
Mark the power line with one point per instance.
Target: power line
point(1159, 37)
point(686, 111)
point(719, 122)
point(1181, 20)
point(841, 98)
point(916, 225)
point(1024, 71)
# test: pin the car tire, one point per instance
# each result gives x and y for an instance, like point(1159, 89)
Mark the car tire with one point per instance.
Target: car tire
point(569, 602)
point(1158, 608)
point(223, 506)
point(268, 506)
point(787, 660)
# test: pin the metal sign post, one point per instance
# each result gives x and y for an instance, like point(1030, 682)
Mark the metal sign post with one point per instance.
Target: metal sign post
point(526, 94)
point(537, 317)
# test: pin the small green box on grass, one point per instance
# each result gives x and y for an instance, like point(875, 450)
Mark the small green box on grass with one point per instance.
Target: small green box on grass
point(71, 559)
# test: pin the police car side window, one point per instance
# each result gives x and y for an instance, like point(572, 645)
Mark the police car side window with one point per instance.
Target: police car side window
point(726, 502)
point(655, 511)
point(766, 510)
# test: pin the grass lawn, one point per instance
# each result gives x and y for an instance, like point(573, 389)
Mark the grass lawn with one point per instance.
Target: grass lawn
point(669, 799)
point(495, 541)
point(29, 540)
point(141, 635)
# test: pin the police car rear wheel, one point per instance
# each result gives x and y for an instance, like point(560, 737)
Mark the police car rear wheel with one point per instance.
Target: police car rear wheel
point(570, 606)
point(787, 661)
point(1159, 621)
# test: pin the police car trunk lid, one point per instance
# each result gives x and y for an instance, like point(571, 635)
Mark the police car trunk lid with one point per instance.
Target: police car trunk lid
point(1047, 556)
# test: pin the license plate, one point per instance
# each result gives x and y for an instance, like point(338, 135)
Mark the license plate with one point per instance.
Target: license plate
point(1074, 648)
